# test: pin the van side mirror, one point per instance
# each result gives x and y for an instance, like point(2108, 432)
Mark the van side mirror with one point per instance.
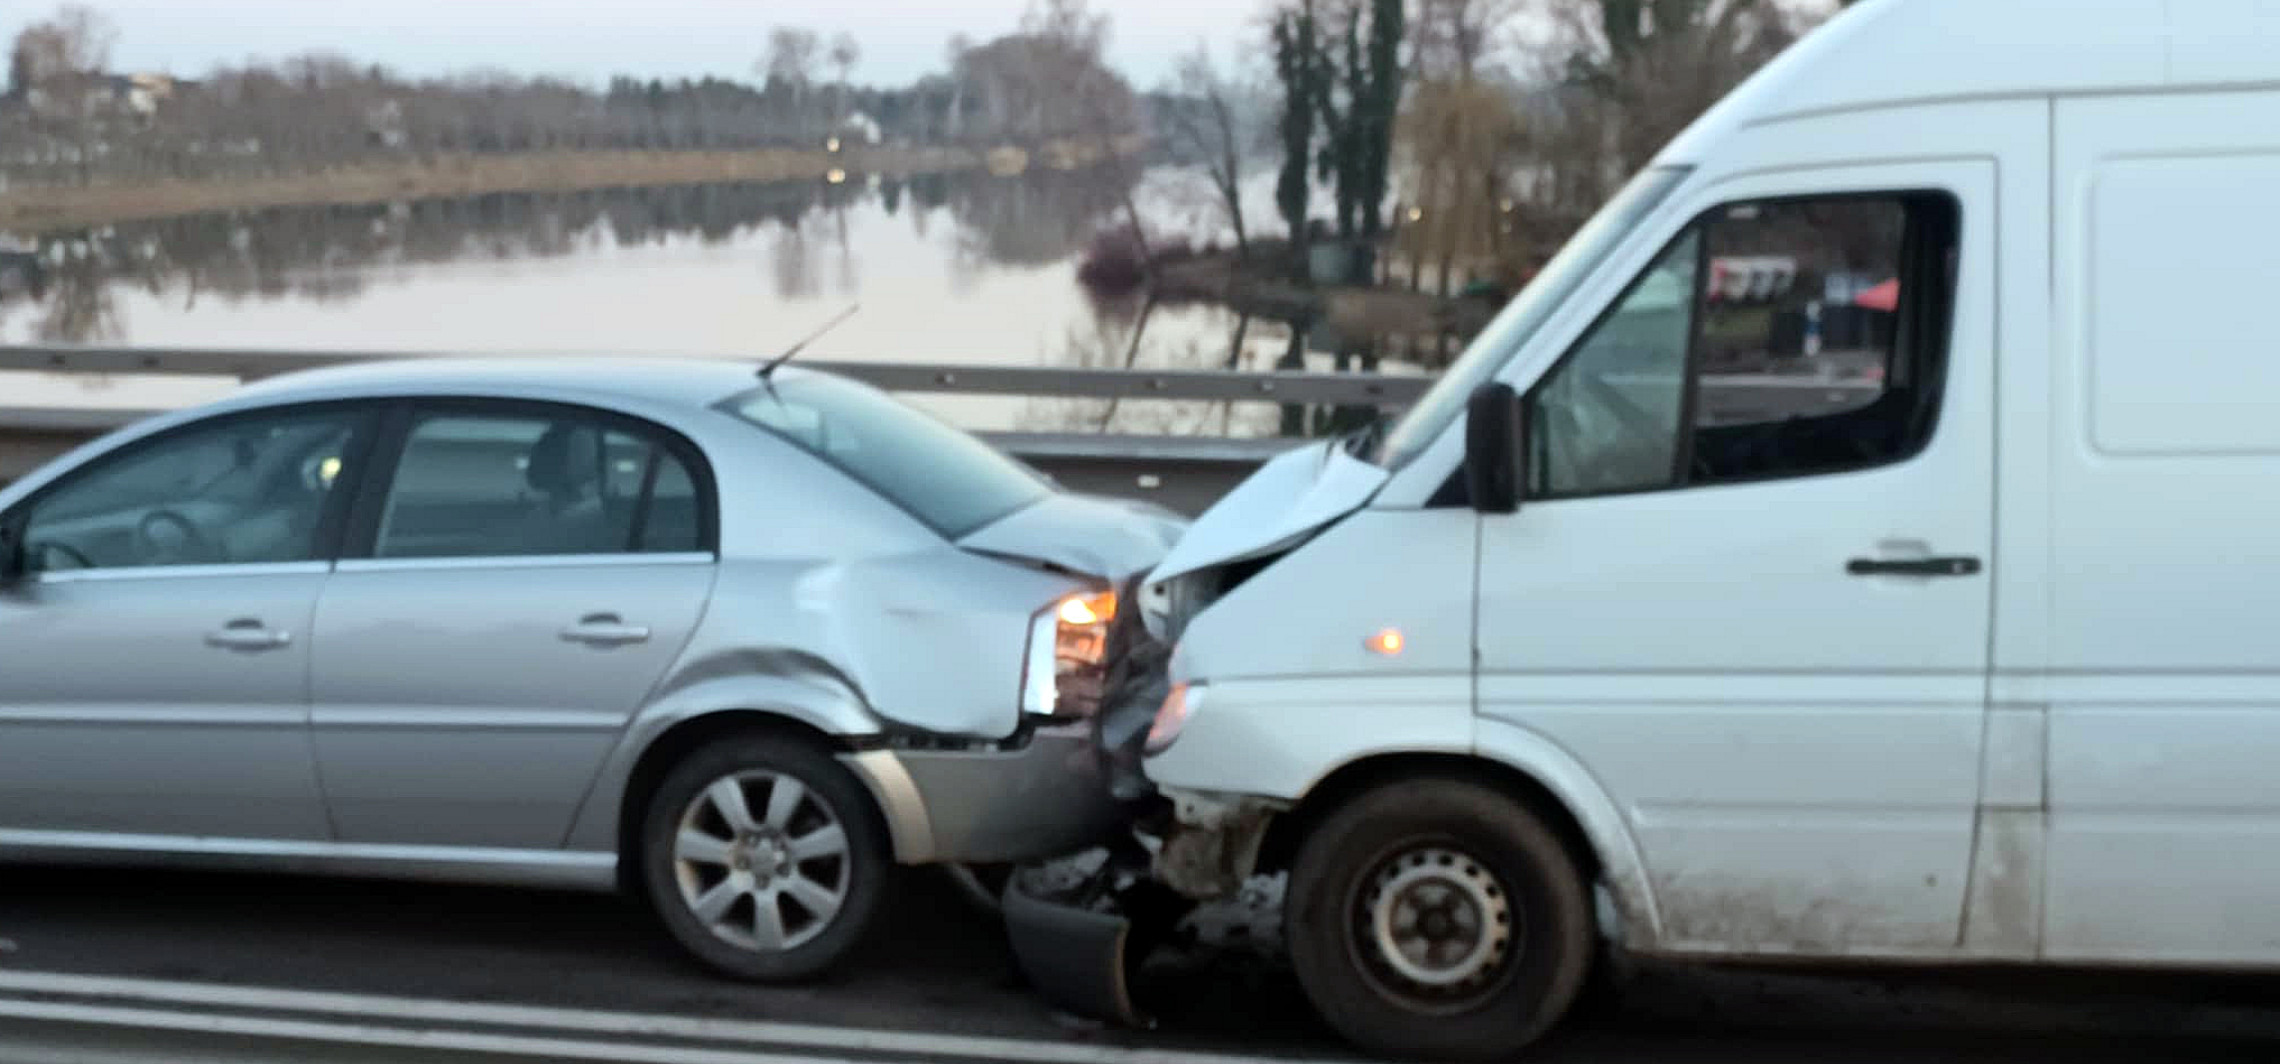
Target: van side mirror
point(1496, 448)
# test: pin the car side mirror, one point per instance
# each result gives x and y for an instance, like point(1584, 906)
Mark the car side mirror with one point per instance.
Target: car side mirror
point(15, 557)
point(1496, 448)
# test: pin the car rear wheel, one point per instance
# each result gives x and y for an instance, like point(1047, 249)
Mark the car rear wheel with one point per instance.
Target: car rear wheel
point(1439, 919)
point(764, 858)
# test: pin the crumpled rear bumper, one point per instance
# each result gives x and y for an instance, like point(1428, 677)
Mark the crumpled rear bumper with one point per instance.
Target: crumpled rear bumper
point(1048, 797)
point(1078, 957)
point(1081, 943)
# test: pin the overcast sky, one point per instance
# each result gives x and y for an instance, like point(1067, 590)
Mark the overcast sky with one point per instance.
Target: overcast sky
point(593, 39)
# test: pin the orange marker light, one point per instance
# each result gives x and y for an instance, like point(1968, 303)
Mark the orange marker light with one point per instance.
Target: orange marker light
point(1388, 641)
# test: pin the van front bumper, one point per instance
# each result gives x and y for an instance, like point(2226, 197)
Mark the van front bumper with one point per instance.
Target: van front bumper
point(1047, 797)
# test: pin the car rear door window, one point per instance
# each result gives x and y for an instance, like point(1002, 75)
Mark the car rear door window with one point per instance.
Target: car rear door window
point(477, 484)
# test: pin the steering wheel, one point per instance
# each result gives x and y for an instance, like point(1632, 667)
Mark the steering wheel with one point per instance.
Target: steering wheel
point(77, 557)
point(191, 544)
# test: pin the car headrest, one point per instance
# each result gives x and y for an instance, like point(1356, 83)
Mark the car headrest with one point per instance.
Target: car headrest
point(566, 460)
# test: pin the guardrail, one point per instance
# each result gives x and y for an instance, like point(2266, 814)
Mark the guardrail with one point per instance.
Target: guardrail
point(1185, 473)
point(1182, 472)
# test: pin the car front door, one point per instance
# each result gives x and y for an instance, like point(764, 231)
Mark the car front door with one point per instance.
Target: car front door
point(521, 577)
point(1748, 586)
point(154, 657)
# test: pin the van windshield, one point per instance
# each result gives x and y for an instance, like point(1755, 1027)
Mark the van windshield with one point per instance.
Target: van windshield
point(946, 478)
point(1520, 319)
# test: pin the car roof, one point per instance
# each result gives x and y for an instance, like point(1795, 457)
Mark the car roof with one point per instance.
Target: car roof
point(675, 381)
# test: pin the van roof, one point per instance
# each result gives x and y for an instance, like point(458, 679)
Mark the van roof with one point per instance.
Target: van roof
point(1883, 53)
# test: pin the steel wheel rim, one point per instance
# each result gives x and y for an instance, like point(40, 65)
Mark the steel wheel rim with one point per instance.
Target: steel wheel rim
point(762, 860)
point(1435, 927)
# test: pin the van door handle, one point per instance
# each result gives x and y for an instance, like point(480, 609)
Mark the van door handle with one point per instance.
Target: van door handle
point(1913, 567)
point(605, 630)
point(249, 636)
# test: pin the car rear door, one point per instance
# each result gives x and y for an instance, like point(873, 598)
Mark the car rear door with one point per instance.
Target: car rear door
point(518, 580)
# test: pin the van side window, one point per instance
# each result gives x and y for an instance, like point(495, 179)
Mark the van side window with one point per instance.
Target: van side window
point(1777, 339)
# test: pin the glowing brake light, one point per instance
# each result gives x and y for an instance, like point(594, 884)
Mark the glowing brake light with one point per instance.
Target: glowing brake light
point(1085, 611)
point(1068, 650)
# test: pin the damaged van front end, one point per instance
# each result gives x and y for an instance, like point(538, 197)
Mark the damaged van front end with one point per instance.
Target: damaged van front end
point(1080, 935)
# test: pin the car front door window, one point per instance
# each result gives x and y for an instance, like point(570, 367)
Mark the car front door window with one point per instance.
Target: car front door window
point(245, 490)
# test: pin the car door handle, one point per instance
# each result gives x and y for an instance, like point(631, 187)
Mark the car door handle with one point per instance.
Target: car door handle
point(248, 636)
point(605, 630)
point(1913, 567)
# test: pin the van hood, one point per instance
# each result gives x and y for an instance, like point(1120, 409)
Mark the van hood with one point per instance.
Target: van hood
point(1110, 539)
point(1287, 500)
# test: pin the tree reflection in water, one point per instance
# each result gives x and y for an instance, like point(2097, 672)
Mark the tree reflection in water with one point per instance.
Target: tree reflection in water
point(332, 254)
point(802, 237)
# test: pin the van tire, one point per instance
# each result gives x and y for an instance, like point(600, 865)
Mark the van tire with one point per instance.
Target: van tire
point(1440, 848)
point(833, 798)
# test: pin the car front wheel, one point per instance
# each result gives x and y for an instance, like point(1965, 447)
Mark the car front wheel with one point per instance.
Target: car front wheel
point(1439, 918)
point(764, 859)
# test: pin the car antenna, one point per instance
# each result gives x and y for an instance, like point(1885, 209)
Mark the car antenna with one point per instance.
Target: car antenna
point(768, 371)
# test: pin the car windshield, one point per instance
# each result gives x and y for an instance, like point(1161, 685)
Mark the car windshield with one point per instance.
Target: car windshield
point(946, 478)
point(1591, 245)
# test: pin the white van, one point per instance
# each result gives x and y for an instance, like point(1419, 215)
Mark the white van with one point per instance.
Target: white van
point(1966, 657)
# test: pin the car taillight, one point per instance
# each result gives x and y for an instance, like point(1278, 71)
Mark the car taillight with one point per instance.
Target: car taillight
point(1068, 651)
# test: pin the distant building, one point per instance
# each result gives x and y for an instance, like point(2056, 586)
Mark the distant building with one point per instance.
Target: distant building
point(384, 125)
point(21, 272)
point(859, 128)
point(137, 96)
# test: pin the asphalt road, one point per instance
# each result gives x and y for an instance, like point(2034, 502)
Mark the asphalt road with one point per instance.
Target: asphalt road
point(939, 968)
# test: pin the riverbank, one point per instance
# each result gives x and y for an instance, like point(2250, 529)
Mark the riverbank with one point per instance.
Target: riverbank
point(1387, 315)
point(30, 210)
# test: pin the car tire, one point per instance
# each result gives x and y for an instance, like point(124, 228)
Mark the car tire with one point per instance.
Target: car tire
point(816, 855)
point(1439, 919)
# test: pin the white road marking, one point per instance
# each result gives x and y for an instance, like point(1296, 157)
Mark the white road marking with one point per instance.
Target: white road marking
point(434, 1041)
point(556, 1021)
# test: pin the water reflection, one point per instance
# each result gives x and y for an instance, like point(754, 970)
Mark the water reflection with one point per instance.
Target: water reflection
point(704, 269)
point(336, 254)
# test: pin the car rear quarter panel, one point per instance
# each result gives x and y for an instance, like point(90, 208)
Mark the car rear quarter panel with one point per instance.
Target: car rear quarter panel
point(836, 610)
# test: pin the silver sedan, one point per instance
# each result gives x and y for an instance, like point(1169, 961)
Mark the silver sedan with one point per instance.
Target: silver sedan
point(735, 644)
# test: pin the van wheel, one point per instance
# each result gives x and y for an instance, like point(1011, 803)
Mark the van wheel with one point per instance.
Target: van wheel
point(764, 858)
point(1438, 919)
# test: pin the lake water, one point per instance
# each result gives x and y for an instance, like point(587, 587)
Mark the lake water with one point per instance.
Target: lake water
point(971, 269)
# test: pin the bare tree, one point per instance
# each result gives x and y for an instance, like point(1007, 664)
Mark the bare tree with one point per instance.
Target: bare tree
point(1457, 38)
point(1661, 63)
point(1457, 136)
point(845, 53)
point(956, 51)
point(1080, 93)
point(58, 66)
point(66, 120)
point(1211, 124)
point(791, 61)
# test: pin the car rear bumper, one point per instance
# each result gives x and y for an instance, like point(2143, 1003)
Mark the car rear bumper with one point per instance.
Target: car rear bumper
point(1047, 797)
